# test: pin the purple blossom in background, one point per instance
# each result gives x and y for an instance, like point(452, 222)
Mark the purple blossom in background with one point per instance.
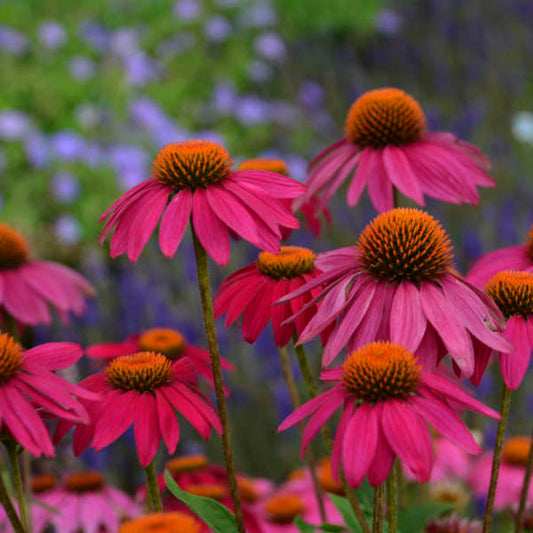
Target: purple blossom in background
point(81, 68)
point(131, 164)
point(12, 41)
point(65, 187)
point(52, 34)
point(178, 44)
point(14, 125)
point(3, 161)
point(37, 150)
point(259, 71)
point(283, 112)
point(224, 98)
point(217, 29)
point(147, 113)
point(67, 145)
point(124, 42)
point(187, 10)
point(297, 166)
point(140, 69)
point(94, 35)
point(311, 94)
point(260, 15)
point(92, 154)
point(209, 135)
point(270, 46)
point(388, 22)
point(67, 230)
point(227, 3)
point(251, 110)
point(88, 115)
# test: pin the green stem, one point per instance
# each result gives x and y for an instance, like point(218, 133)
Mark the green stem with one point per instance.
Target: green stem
point(11, 447)
point(496, 459)
point(392, 500)
point(154, 497)
point(295, 399)
point(379, 498)
point(519, 524)
point(9, 509)
point(202, 270)
point(402, 485)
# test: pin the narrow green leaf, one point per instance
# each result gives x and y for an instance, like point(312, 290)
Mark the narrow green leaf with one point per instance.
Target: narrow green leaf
point(345, 509)
point(215, 515)
point(414, 519)
point(303, 526)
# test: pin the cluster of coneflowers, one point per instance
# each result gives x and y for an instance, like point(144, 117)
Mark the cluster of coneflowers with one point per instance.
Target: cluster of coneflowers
point(399, 325)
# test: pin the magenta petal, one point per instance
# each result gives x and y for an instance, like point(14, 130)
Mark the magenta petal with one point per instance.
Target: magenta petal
point(279, 313)
point(55, 355)
point(22, 302)
point(327, 151)
point(146, 428)
point(336, 454)
point(379, 185)
point(174, 222)
point(401, 174)
point(384, 458)
point(202, 404)
point(257, 313)
point(168, 422)
point(407, 320)
point(514, 366)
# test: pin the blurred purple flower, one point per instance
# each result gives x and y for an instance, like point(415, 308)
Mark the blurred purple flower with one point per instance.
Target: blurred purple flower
point(12, 41)
point(187, 10)
point(3, 161)
point(178, 44)
point(252, 110)
point(14, 125)
point(311, 94)
point(297, 166)
point(140, 69)
point(270, 46)
point(131, 163)
point(227, 3)
point(283, 112)
point(65, 187)
point(67, 145)
point(94, 35)
point(124, 42)
point(224, 98)
point(88, 115)
point(82, 68)
point(209, 135)
point(37, 150)
point(259, 71)
point(92, 154)
point(260, 15)
point(388, 22)
point(52, 34)
point(67, 230)
point(147, 113)
point(217, 29)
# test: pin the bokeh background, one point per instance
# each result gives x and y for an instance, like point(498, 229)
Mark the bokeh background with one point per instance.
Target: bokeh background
point(91, 89)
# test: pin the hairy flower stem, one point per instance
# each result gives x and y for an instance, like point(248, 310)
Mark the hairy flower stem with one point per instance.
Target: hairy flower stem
point(392, 500)
point(519, 523)
point(11, 447)
point(379, 500)
point(202, 270)
point(11, 513)
point(497, 458)
point(154, 497)
point(295, 399)
point(311, 390)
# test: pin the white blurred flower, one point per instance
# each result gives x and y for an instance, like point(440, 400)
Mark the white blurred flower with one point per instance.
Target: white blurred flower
point(522, 126)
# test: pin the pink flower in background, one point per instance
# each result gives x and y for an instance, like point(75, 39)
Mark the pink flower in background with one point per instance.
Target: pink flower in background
point(193, 180)
point(250, 292)
point(387, 401)
point(28, 287)
point(398, 283)
point(451, 463)
point(386, 147)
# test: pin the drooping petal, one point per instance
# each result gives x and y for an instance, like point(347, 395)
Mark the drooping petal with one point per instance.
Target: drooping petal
point(384, 457)
point(407, 320)
point(168, 422)
point(55, 355)
point(338, 443)
point(514, 365)
point(401, 174)
point(174, 222)
point(257, 313)
point(146, 428)
point(379, 185)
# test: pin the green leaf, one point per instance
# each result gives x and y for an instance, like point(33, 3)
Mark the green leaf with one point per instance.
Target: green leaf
point(305, 527)
point(414, 519)
point(214, 514)
point(345, 509)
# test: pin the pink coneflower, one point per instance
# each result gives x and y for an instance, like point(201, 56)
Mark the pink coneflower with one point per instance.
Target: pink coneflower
point(511, 477)
point(29, 388)
point(83, 502)
point(143, 389)
point(171, 343)
point(28, 287)
point(386, 146)
point(250, 292)
point(172, 522)
point(398, 283)
point(387, 400)
point(512, 258)
point(194, 179)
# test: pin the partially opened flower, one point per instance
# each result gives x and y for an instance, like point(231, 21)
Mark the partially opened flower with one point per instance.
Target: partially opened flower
point(194, 180)
point(250, 292)
point(29, 388)
point(29, 286)
point(511, 258)
point(170, 522)
point(386, 400)
point(387, 146)
point(167, 341)
point(398, 283)
point(453, 523)
point(143, 389)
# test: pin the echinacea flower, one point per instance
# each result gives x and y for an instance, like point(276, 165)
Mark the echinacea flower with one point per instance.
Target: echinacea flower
point(398, 283)
point(250, 292)
point(513, 293)
point(167, 341)
point(386, 399)
point(83, 502)
point(511, 258)
point(386, 147)
point(511, 477)
point(194, 180)
point(143, 389)
point(29, 388)
point(309, 207)
point(29, 286)
point(453, 523)
point(170, 522)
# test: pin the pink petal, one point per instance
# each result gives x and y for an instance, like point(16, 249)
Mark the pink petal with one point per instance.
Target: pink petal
point(514, 365)
point(269, 183)
point(401, 174)
point(327, 151)
point(111, 350)
point(174, 222)
point(168, 422)
point(146, 428)
point(257, 313)
point(384, 458)
point(279, 313)
point(407, 320)
point(55, 355)
point(379, 185)
point(336, 454)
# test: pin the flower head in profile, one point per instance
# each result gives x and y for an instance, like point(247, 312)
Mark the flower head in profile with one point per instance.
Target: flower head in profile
point(511, 258)
point(387, 401)
point(29, 388)
point(250, 292)
point(398, 283)
point(29, 286)
point(167, 341)
point(453, 523)
point(308, 207)
point(168, 522)
point(387, 146)
point(143, 389)
point(194, 180)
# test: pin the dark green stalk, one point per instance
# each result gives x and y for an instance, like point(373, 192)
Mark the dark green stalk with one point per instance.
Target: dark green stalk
point(154, 497)
point(9, 509)
point(519, 524)
point(379, 499)
point(12, 453)
point(392, 500)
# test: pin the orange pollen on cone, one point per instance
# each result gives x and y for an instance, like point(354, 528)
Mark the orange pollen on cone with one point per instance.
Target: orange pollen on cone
point(143, 371)
point(284, 508)
point(187, 463)
point(512, 291)
point(208, 490)
point(171, 522)
point(516, 451)
point(43, 482)
point(162, 340)
point(84, 482)
point(380, 371)
point(405, 244)
point(191, 164)
point(14, 249)
point(247, 490)
point(384, 117)
point(11, 357)
point(291, 261)
point(325, 478)
point(272, 165)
